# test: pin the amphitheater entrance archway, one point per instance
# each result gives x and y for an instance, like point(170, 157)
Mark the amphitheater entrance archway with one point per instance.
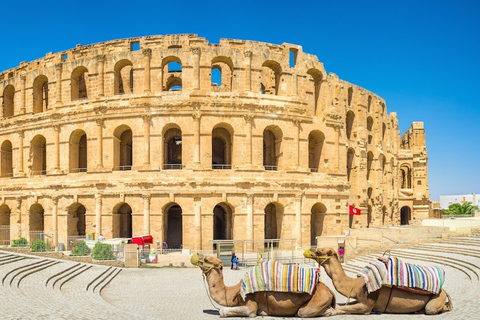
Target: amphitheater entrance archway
point(173, 149)
point(5, 225)
point(76, 220)
point(36, 218)
point(405, 215)
point(272, 142)
point(317, 222)
point(6, 159)
point(78, 151)
point(173, 227)
point(315, 145)
point(273, 221)
point(122, 221)
point(221, 148)
point(123, 148)
point(222, 222)
point(38, 151)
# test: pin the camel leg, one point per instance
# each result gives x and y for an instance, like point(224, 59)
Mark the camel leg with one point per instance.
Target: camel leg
point(250, 310)
point(319, 305)
point(355, 308)
point(437, 304)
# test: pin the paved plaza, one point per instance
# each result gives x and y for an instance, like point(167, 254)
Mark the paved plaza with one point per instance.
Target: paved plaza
point(41, 288)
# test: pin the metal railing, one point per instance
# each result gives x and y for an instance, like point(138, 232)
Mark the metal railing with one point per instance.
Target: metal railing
point(47, 237)
point(77, 170)
point(123, 168)
point(270, 168)
point(5, 235)
point(168, 166)
point(313, 169)
point(221, 166)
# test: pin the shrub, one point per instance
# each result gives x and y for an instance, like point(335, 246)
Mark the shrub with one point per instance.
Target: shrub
point(22, 242)
point(102, 251)
point(80, 249)
point(39, 246)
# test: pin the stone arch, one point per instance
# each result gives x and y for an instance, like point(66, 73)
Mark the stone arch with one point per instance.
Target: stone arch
point(405, 215)
point(369, 129)
point(225, 66)
point(406, 176)
point(369, 103)
point(316, 140)
point(123, 148)
point(173, 226)
point(272, 147)
point(38, 155)
point(369, 164)
point(222, 221)
point(315, 85)
point(270, 77)
point(5, 213)
point(350, 96)
point(384, 130)
point(8, 104)
point(381, 165)
point(172, 74)
point(79, 83)
point(122, 221)
point(273, 221)
point(78, 151)
point(349, 123)
point(76, 222)
point(350, 162)
point(172, 146)
point(36, 218)
point(123, 77)
point(222, 146)
point(40, 94)
point(6, 159)
point(317, 220)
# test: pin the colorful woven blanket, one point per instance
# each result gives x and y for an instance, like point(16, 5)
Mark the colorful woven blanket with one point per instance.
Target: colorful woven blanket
point(396, 272)
point(271, 275)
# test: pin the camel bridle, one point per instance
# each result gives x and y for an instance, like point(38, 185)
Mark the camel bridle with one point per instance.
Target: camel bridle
point(209, 266)
point(324, 257)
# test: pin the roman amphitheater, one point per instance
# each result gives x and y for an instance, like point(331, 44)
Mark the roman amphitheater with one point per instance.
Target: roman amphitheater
point(190, 141)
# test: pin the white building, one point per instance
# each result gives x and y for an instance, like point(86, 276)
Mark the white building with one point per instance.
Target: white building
point(445, 201)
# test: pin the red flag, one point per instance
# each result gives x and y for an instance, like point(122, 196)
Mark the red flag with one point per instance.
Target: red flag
point(354, 211)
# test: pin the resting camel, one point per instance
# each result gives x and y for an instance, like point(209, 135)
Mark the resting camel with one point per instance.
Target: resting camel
point(268, 303)
point(385, 300)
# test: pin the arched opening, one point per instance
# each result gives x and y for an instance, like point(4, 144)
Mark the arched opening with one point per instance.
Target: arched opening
point(369, 103)
point(6, 158)
point(36, 222)
point(123, 77)
point(172, 140)
point(76, 225)
point(350, 162)
point(273, 221)
point(317, 222)
point(8, 101)
point(38, 153)
point(406, 177)
point(381, 162)
point(123, 148)
point(221, 148)
point(314, 86)
point(172, 74)
point(270, 78)
point(369, 129)
point(349, 123)
point(222, 74)
point(79, 83)
point(369, 164)
point(122, 221)
point(78, 151)
point(350, 96)
point(272, 142)
point(5, 225)
point(40, 94)
point(384, 130)
point(173, 227)
point(315, 146)
point(222, 222)
point(405, 215)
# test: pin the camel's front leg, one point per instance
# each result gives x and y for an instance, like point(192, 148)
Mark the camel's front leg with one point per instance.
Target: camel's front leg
point(354, 308)
point(250, 310)
point(320, 304)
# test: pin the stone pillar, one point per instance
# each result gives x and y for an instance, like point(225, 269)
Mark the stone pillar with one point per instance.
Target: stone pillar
point(146, 140)
point(20, 153)
point(18, 219)
point(23, 102)
point(196, 137)
point(248, 70)
point(55, 221)
point(298, 219)
point(248, 139)
point(56, 161)
point(99, 143)
point(296, 156)
point(98, 215)
point(101, 68)
point(58, 77)
point(147, 56)
point(146, 213)
point(196, 68)
point(198, 223)
point(249, 227)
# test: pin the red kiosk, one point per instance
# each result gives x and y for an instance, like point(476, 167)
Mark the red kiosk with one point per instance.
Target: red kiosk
point(144, 242)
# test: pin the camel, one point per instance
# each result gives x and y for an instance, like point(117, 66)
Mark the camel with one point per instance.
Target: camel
point(267, 303)
point(387, 299)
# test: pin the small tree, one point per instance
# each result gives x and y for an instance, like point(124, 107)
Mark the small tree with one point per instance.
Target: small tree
point(39, 246)
point(80, 249)
point(460, 209)
point(22, 242)
point(102, 251)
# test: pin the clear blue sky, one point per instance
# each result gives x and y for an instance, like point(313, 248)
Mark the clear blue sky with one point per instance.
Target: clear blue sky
point(421, 56)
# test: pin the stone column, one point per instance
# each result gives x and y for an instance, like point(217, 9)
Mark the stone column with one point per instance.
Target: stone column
point(18, 219)
point(98, 215)
point(146, 140)
point(249, 227)
point(99, 143)
point(146, 213)
point(58, 77)
point(20, 153)
point(296, 143)
point(196, 68)
point(101, 67)
point(147, 56)
point(23, 108)
point(56, 161)
point(198, 223)
point(196, 137)
point(55, 221)
point(298, 219)
point(248, 139)
point(248, 70)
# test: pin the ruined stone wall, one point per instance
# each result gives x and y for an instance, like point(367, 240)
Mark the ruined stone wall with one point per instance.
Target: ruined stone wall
point(186, 140)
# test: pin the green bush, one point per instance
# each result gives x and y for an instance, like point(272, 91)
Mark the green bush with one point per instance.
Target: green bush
point(22, 242)
point(80, 249)
point(102, 251)
point(39, 246)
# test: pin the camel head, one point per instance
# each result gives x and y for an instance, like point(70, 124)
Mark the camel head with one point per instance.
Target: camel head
point(206, 263)
point(321, 255)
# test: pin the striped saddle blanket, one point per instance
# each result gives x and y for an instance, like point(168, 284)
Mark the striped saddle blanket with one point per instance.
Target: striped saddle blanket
point(398, 273)
point(271, 275)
